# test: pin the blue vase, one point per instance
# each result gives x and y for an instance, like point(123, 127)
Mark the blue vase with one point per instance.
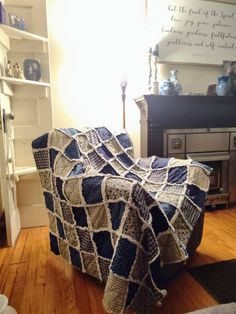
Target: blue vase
point(167, 88)
point(175, 81)
point(223, 86)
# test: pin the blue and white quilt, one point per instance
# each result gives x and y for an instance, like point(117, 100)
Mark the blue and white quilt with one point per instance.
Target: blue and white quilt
point(117, 218)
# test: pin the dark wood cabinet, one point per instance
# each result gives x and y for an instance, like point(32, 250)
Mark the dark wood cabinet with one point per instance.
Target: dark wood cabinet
point(158, 113)
point(199, 127)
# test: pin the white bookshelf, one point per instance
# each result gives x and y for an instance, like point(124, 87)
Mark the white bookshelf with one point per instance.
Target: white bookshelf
point(14, 33)
point(30, 102)
point(19, 171)
point(16, 81)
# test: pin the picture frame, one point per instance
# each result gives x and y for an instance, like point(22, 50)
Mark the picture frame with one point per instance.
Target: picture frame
point(32, 69)
point(17, 21)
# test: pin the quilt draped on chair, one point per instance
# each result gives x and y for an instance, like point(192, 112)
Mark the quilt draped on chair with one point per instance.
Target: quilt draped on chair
point(117, 218)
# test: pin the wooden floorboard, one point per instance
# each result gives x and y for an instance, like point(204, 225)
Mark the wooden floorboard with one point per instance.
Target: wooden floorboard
point(38, 282)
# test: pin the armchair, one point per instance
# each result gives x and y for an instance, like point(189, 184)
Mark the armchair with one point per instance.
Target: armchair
point(128, 222)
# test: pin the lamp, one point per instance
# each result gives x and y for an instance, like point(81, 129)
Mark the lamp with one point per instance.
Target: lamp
point(123, 85)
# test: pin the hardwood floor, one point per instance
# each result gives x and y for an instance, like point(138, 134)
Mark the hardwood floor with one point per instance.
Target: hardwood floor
point(36, 281)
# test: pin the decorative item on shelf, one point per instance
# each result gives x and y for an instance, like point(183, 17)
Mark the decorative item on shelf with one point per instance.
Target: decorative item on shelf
point(153, 87)
point(8, 69)
point(175, 81)
point(226, 83)
point(150, 71)
point(171, 86)
point(14, 70)
point(223, 86)
point(17, 21)
point(211, 90)
point(17, 71)
point(2, 14)
point(123, 85)
point(232, 78)
point(32, 69)
point(167, 88)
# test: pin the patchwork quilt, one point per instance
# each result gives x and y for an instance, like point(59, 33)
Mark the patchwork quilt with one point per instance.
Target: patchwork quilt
point(117, 218)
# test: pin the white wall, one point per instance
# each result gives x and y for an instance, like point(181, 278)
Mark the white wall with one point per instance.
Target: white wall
point(90, 51)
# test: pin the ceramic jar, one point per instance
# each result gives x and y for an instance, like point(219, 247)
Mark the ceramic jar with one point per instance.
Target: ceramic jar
point(175, 81)
point(171, 86)
point(167, 88)
point(223, 86)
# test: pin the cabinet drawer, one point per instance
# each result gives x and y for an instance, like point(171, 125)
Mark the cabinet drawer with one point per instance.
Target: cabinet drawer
point(207, 142)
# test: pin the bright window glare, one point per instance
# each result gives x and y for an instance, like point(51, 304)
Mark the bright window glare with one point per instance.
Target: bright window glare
point(100, 42)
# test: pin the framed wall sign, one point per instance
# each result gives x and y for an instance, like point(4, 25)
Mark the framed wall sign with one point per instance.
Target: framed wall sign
point(193, 31)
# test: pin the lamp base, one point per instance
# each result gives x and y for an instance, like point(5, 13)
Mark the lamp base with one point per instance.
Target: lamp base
point(155, 88)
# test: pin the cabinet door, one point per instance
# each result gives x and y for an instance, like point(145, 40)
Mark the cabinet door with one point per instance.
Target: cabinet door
point(8, 178)
point(32, 111)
